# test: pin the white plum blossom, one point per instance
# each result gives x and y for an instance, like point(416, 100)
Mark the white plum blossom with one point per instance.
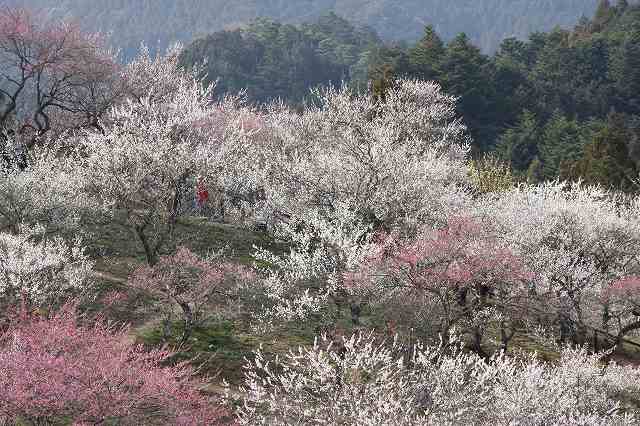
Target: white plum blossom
point(151, 147)
point(576, 239)
point(362, 381)
point(47, 192)
point(396, 162)
point(42, 271)
point(304, 281)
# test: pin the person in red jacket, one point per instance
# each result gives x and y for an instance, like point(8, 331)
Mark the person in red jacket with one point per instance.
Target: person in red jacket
point(202, 195)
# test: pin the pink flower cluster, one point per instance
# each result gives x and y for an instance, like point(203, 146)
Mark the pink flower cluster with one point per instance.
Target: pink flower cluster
point(461, 254)
point(221, 117)
point(52, 368)
point(186, 274)
point(624, 286)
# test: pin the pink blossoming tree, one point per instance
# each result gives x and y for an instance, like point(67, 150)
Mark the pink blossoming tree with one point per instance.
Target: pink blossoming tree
point(53, 77)
point(458, 275)
point(52, 369)
point(192, 284)
point(622, 306)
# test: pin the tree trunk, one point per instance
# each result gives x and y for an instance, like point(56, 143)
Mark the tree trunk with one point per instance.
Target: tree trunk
point(188, 321)
point(149, 252)
point(166, 329)
point(477, 343)
point(630, 327)
point(356, 309)
point(605, 318)
point(505, 336)
point(567, 330)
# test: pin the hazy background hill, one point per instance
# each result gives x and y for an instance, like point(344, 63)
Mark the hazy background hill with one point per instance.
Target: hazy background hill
point(486, 22)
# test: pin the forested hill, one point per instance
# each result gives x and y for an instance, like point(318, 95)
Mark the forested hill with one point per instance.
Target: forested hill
point(564, 103)
point(272, 60)
point(486, 22)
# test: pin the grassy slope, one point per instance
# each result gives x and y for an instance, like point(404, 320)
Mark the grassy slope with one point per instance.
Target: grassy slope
point(221, 346)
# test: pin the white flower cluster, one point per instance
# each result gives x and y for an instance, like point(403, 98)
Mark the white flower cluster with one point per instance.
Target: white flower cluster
point(301, 283)
point(41, 271)
point(363, 382)
point(399, 160)
point(576, 239)
point(139, 167)
point(46, 193)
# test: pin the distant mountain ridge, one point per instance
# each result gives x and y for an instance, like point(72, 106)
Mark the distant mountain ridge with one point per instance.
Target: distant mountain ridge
point(158, 22)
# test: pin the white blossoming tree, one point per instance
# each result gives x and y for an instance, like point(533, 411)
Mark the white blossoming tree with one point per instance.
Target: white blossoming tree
point(362, 381)
point(46, 193)
point(302, 283)
point(153, 144)
point(577, 240)
point(41, 270)
point(398, 161)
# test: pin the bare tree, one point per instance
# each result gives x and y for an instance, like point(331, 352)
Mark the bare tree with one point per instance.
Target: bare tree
point(53, 77)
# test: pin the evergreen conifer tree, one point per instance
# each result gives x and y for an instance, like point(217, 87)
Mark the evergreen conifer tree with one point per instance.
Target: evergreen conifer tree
point(426, 54)
point(603, 15)
point(606, 159)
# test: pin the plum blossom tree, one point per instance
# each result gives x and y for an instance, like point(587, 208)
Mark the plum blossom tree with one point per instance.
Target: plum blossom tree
point(192, 284)
point(369, 382)
point(305, 282)
point(47, 193)
point(53, 370)
point(233, 169)
point(576, 239)
point(53, 77)
point(622, 302)
point(43, 272)
point(397, 161)
point(158, 78)
point(457, 275)
point(138, 165)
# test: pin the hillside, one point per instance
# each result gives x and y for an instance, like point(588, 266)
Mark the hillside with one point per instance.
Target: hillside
point(272, 60)
point(161, 21)
point(399, 255)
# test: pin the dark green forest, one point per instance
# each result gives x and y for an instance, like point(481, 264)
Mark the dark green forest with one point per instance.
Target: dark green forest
point(563, 103)
point(273, 60)
point(158, 22)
